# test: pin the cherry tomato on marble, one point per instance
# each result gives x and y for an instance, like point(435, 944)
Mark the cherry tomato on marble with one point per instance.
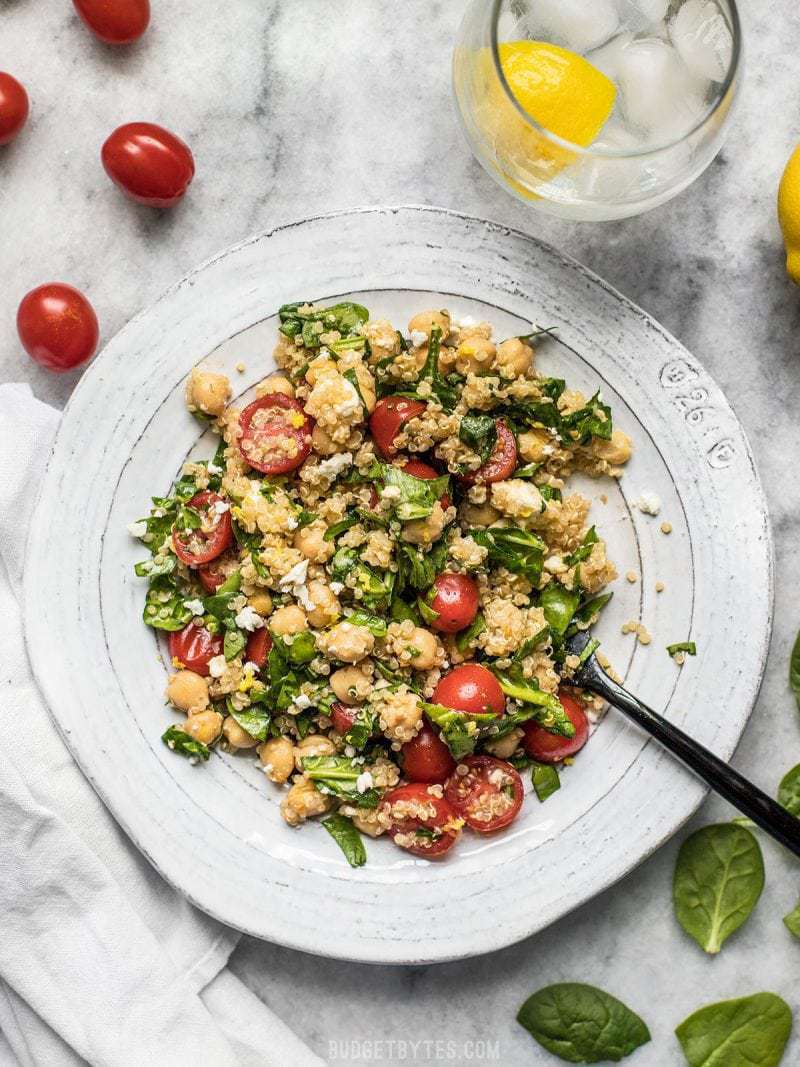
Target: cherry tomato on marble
point(276, 434)
point(423, 824)
point(57, 326)
point(455, 599)
point(151, 165)
point(500, 464)
point(115, 21)
point(194, 647)
point(470, 688)
point(489, 796)
point(14, 107)
point(258, 645)
point(210, 540)
point(387, 419)
point(547, 747)
point(426, 758)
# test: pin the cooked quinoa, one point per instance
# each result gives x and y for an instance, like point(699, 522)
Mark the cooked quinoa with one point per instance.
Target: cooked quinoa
point(369, 586)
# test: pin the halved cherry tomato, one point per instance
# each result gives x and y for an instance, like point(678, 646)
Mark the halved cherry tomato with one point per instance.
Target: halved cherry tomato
point(418, 469)
point(151, 165)
point(470, 688)
point(258, 645)
point(195, 647)
point(14, 107)
point(57, 326)
point(489, 796)
point(546, 747)
point(342, 717)
point(455, 598)
point(115, 22)
point(500, 464)
point(276, 434)
point(423, 824)
point(388, 417)
point(426, 758)
point(194, 547)
point(213, 574)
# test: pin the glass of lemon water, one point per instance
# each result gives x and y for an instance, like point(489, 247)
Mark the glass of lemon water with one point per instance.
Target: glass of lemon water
point(597, 109)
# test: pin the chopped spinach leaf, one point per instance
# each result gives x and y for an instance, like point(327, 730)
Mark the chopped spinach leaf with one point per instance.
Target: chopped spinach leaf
point(519, 551)
point(546, 780)
point(479, 433)
point(347, 838)
point(179, 741)
point(689, 647)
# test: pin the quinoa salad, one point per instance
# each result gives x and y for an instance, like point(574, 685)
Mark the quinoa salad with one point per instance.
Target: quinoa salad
point(368, 588)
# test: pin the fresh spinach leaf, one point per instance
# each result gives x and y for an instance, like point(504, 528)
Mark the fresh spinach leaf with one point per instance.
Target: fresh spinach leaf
point(719, 875)
point(178, 741)
point(478, 433)
point(416, 496)
point(789, 791)
point(164, 607)
point(363, 728)
point(519, 551)
point(376, 626)
point(794, 670)
point(339, 776)
point(792, 921)
point(416, 569)
point(466, 637)
point(592, 420)
point(582, 1024)
point(443, 388)
point(590, 609)
point(338, 528)
point(746, 1032)
point(585, 550)
point(547, 709)
point(163, 563)
point(459, 731)
point(546, 780)
point(689, 647)
point(233, 644)
point(347, 838)
point(559, 605)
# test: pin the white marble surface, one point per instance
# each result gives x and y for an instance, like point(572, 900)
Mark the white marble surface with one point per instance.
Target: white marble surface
point(294, 109)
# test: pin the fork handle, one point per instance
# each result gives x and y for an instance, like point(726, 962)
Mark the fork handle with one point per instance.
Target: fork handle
point(743, 794)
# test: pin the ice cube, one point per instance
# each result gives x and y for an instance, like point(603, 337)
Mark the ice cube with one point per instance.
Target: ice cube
point(639, 15)
point(701, 35)
point(574, 24)
point(657, 92)
point(607, 57)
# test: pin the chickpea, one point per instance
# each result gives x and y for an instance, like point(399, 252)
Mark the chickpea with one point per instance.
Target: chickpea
point(616, 451)
point(370, 821)
point(277, 758)
point(327, 608)
point(351, 685)
point(427, 648)
point(236, 736)
point(475, 355)
point(288, 620)
point(426, 320)
point(205, 726)
point(302, 801)
point(275, 383)
point(514, 358)
point(506, 746)
point(347, 642)
point(425, 531)
point(261, 602)
point(312, 745)
point(310, 540)
point(188, 691)
point(366, 385)
point(536, 445)
point(479, 514)
point(318, 368)
point(322, 443)
point(207, 392)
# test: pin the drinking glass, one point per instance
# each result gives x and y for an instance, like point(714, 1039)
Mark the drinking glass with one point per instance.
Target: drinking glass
point(664, 72)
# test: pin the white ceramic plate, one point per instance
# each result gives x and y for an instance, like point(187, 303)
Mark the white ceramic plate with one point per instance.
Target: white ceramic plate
point(215, 831)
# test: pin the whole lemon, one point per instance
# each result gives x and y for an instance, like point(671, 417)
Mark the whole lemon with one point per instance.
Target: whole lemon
point(789, 214)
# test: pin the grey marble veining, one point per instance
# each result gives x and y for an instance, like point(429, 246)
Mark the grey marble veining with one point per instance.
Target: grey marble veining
point(298, 108)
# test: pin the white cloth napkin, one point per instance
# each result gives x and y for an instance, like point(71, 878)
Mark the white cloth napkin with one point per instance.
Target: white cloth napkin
point(100, 960)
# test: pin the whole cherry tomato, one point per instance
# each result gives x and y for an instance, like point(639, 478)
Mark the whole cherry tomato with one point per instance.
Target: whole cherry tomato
point(150, 164)
point(194, 647)
point(489, 796)
point(115, 21)
point(455, 599)
point(14, 107)
point(426, 758)
point(470, 688)
point(500, 464)
point(387, 419)
point(547, 747)
point(57, 326)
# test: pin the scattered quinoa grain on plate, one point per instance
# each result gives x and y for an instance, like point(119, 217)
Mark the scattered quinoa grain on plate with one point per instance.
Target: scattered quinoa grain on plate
point(369, 585)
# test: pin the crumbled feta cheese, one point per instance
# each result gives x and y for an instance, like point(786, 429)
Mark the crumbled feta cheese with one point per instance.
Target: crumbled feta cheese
point(301, 701)
point(291, 523)
point(221, 506)
point(555, 565)
point(648, 503)
point(248, 619)
point(295, 576)
point(301, 592)
point(214, 469)
point(137, 529)
point(251, 668)
point(336, 587)
point(349, 751)
point(418, 338)
point(390, 492)
point(217, 666)
point(333, 467)
point(466, 321)
point(364, 782)
point(195, 606)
